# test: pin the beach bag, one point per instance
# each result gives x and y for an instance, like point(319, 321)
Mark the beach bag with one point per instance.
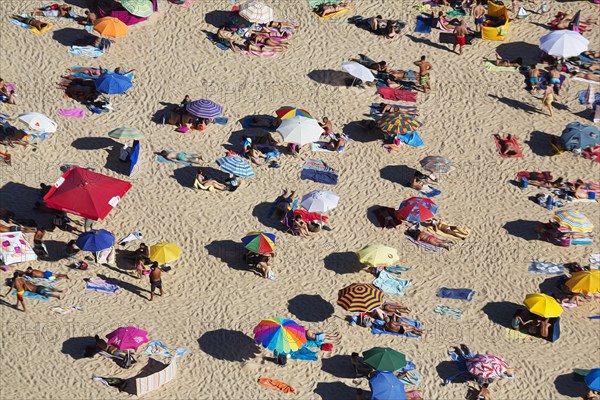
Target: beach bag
point(127, 362)
point(281, 359)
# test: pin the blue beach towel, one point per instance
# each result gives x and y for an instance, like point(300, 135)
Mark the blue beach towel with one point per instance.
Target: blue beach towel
point(304, 354)
point(396, 269)
point(432, 193)
point(423, 24)
point(158, 348)
point(318, 171)
point(456, 294)
point(214, 40)
point(86, 51)
point(391, 284)
point(221, 120)
point(32, 295)
point(412, 139)
point(377, 328)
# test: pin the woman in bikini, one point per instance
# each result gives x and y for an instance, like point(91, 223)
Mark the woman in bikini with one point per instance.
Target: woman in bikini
point(548, 99)
point(507, 145)
point(325, 9)
point(395, 325)
point(202, 180)
point(427, 238)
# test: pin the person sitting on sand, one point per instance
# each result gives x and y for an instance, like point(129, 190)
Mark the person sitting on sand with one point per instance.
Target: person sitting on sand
point(418, 181)
point(143, 252)
point(507, 145)
point(202, 180)
point(484, 392)
point(264, 264)
point(360, 368)
point(181, 156)
point(501, 62)
point(444, 24)
point(9, 94)
point(300, 227)
point(254, 154)
point(337, 143)
point(396, 325)
point(49, 275)
point(421, 236)
point(517, 320)
point(101, 345)
point(590, 76)
point(37, 24)
point(325, 9)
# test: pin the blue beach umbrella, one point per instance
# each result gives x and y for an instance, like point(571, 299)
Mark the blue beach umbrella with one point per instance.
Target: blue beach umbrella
point(204, 108)
point(112, 83)
point(386, 386)
point(134, 157)
point(235, 165)
point(95, 240)
point(593, 379)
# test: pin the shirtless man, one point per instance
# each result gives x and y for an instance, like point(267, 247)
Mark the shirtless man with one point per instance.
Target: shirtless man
point(155, 280)
point(19, 285)
point(534, 78)
point(555, 79)
point(460, 33)
point(424, 68)
point(326, 125)
point(36, 273)
point(37, 24)
point(479, 15)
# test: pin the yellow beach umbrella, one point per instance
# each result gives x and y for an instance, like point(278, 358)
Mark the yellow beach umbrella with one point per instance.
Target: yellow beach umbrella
point(378, 255)
point(585, 282)
point(164, 252)
point(543, 305)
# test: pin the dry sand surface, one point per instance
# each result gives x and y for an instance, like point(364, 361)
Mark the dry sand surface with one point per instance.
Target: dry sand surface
point(212, 302)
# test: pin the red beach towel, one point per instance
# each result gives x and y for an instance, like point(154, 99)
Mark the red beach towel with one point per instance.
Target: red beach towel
point(397, 94)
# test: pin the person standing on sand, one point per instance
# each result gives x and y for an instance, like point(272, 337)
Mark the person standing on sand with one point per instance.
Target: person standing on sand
point(548, 99)
point(479, 16)
point(424, 68)
point(155, 280)
point(19, 285)
point(460, 33)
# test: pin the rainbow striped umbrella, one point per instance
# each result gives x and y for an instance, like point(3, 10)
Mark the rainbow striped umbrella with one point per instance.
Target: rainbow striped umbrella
point(126, 133)
point(486, 366)
point(398, 124)
point(204, 108)
point(574, 220)
point(259, 242)
point(290, 112)
point(280, 334)
point(417, 209)
point(360, 297)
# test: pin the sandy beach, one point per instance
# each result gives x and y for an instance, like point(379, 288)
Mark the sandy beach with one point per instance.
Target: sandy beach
point(212, 301)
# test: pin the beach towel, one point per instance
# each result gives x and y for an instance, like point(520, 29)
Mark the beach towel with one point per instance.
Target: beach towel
point(135, 235)
point(386, 216)
point(376, 109)
point(220, 45)
point(86, 51)
point(441, 309)
point(490, 66)
point(256, 54)
point(304, 354)
point(391, 284)
point(33, 295)
point(318, 171)
point(594, 260)
point(161, 159)
point(577, 78)
point(550, 268)
point(276, 385)
point(322, 147)
point(456, 294)
point(335, 14)
point(31, 28)
point(515, 144)
point(424, 244)
point(397, 94)
point(158, 348)
point(412, 139)
point(65, 310)
point(106, 256)
point(515, 334)
point(414, 395)
point(100, 285)
point(71, 112)
point(183, 4)
point(423, 24)
point(377, 328)
point(396, 269)
point(411, 378)
point(247, 124)
point(448, 38)
point(308, 216)
point(5, 159)
point(221, 120)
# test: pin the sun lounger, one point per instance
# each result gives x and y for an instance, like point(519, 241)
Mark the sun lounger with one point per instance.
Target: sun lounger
point(515, 143)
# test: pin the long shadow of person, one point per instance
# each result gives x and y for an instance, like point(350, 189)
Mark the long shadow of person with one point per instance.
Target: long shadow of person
point(125, 285)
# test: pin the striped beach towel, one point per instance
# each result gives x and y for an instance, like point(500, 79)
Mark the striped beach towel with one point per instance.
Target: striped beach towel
point(424, 245)
point(319, 171)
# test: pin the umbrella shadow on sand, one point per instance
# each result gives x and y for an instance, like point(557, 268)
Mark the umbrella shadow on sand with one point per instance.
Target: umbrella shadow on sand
point(359, 133)
point(339, 366)
point(113, 162)
point(501, 312)
point(229, 252)
point(241, 346)
point(401, 174)
point(72, 36)
point(567, 385)
point(185, 176)
point(527, 51)
point(76, 346)
point(523, 229)
point(334, 391)
point(345, 262)
point(262, 212)
point(549, 286)
point(93, 143)
point(447, 369)
point(330, 77)
point(310, 308)
point(19, 198)
point(217, 18)
point(540, 143)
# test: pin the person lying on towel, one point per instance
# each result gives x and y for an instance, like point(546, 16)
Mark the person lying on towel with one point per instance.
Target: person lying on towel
point(420, 236)
point(35, 23)
point(325, 9)
point(395, 325)
point(507, 145)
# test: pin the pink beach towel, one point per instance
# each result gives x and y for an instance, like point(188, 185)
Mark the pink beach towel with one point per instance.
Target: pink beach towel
point(255, 54)
point(397, 94)
point(71, 112)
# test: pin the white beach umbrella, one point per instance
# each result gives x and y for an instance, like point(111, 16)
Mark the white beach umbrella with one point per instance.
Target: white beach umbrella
point(319, 201)
point(256, 12)
point(358, 71)
point(300, 130)
point(564, 43)
point(38, 122)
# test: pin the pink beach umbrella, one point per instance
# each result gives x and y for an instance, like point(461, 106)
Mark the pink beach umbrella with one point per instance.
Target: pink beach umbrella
point(127, 338)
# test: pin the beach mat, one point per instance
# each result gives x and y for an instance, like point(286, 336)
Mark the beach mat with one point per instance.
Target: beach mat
point(448, 38)
point(386, 216)
point(516, 335)
point(515, 143)
point(334, 14)
point(424, 245)
point(397, 94)
point(490, 66)
point(423, 24)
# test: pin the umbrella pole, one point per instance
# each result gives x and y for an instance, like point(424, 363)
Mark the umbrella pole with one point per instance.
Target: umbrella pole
point(353, 81)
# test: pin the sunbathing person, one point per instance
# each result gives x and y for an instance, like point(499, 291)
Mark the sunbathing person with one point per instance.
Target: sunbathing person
point(325, 9)
point(507, 145)
point(446, 25)
point(9, 94)
point(16, 228)
point(420, 236)
point(450, 230)
point(591, 54)
point(591, 66)
point(254, 154)
point(202, 182)
point(229, 38)
point(501, 62)
point(54, 10)
point(87, 71)
point(259, 47)
point(10, 136)
point(36, 273)
point(101, 345)
point(368, 62)
point(590, 76)
point(360, 368)
point(181, 156)
point(321, 336)
point(300, 227)
point(37, 24)
point(391, 108)
point(395, 325)
point(266, 40)
point(337, 144)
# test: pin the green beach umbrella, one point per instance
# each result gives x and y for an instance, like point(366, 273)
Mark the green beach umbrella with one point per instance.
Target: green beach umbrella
point(139, 8)
point(126, 133)
point(384, 359)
